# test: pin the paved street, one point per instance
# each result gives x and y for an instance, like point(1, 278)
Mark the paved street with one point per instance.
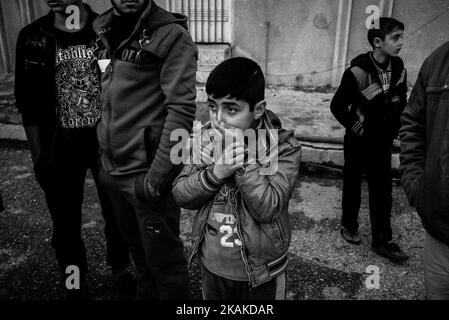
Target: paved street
point(322, 265)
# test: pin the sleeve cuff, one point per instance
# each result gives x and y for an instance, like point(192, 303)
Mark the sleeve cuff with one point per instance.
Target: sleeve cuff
point(209, 180)
point(357, 128)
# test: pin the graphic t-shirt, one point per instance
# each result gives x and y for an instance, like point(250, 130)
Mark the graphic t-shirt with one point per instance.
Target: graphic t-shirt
point(220, 249)
point(77, 80)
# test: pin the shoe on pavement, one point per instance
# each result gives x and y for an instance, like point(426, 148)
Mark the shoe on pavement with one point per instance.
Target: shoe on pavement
point(390, 251)
point(350, 236)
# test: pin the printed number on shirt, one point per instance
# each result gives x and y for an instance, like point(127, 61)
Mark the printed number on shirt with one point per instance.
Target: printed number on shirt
point(229, 232)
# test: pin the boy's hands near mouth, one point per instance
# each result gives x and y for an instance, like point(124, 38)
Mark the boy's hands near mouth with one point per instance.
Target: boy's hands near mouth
point(223, 129)
point(228, 135)
point(229, 161)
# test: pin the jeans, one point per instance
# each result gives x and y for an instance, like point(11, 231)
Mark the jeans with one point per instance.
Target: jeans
point(219, 288)
point(62, 180)
point(152, 234)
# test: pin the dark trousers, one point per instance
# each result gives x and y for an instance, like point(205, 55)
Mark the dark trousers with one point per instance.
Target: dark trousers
point(152, 234)
point(62, 180)
point(373, 158)
point(219, 288)
point(2, 207)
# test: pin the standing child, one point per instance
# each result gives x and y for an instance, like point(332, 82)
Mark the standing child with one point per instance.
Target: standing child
point(242, 229)
point(369, 103)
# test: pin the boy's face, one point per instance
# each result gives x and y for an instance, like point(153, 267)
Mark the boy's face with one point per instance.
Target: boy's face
point(392, 44)
point(61, 5)
point(233, 113)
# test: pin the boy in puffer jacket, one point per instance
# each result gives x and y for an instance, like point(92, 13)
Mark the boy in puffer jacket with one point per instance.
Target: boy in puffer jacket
point(241, 188)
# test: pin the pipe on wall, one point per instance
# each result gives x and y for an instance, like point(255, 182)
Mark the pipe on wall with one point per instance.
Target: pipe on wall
point(267, 25)
point(342, 30)
point(386, 7)
point(4, 56)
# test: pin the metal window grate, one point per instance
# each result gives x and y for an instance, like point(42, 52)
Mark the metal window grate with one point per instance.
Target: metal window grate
point(209, 20)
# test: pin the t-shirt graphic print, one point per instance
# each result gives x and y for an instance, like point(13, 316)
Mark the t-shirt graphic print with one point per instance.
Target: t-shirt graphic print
point(77, 87)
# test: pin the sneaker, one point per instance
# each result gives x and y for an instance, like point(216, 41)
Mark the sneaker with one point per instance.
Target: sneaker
point(350, 236)
point(390, 251)
point(394, 246)
point(126, 286)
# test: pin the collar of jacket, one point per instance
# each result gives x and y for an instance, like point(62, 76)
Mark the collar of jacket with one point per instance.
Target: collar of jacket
point(270, 120)
point(365, 62)
point(48, 20)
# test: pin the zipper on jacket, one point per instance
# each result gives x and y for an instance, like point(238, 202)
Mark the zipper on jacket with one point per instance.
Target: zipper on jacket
point(201, 235)
point(109, 107)
point(242, 251)
point(54, 89)
point(108, 99)
point(198, 240)
point(109, 90)
point(108, 102)
point(379, 81)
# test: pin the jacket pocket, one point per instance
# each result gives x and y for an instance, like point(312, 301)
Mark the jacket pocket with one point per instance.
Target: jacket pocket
point(32, 64)
point(436, 93)
point(278, 234)
point(158, 42)
point(35, 72)
point(437, 89)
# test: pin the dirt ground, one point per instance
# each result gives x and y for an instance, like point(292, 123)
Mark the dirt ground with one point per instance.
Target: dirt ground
point(322, 265)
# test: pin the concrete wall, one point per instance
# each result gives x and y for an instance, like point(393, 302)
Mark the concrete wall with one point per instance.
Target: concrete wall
point(13, 15)
point(414, 14)
point(299, 43)
point(303, 39)
point(291, 39)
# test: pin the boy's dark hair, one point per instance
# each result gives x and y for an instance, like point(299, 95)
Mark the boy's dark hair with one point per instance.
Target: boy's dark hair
point(240, 78)
point(386, 26)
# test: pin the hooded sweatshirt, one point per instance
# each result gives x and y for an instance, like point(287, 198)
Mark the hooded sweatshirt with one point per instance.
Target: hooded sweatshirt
point(148, 90)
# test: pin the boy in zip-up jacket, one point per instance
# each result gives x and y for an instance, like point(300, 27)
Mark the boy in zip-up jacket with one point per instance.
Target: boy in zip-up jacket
point(242, 229)
point(369, 103)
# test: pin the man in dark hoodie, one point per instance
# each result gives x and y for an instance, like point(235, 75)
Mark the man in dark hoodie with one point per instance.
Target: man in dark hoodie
point(57, 90)
point(148, 90)
point(424, 166)
point(369, 103)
